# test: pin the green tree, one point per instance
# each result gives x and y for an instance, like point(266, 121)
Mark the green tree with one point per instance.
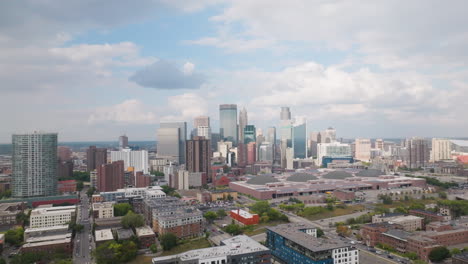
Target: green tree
point(90, 191)
point(14, 236)
point(386, 199)
point(132, 220)
point(210, 216)
point(168, 241)
point(455, 251)
point(154, 248)
point(157, 173)
point(79, 186)
point(411, 255)
point(400, 209)
point(83, 176)
point(221, 213)
point(27, 258)
point(233, 229)
point(320, 232)
point(115, 252)
point(122, 209)
point(439, 254)
point(260, 207)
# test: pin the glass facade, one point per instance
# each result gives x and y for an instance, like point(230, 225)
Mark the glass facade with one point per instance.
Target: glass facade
point(249, 134)
point(300, 141)
point(34, 165)
point(228, 122)
point(182, 126)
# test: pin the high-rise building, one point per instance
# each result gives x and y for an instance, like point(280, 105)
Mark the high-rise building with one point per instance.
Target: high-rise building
point(110, 177)
point(215, 138)
point(329, 135)
point(441, 149)
point(123, 142)
point(34, 165)
point(182, 126)
point(363, 149)
point(251, 153)
point(198, 153)
point(64, 153)
point(95, 157)
point(379, 144)
point(228, 122)
point(265, 152)
point(299, 139)
point(138, 159)
point(241, 155)
point(314, 139)
point(249, 134)
point(271, 135)
point(224, 147)
point(204, 131)
point(418, 152)
point(243, 121)
point(201, 121)
point(285, 113)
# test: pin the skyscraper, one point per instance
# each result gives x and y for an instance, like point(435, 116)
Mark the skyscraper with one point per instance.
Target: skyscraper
point(251, 153)
point(285, 133)
point(299, 140)
point(138, 159)
point(243, 121)
point(201, 121)
point(198, 153)
point(265, 152)
point(168, 143)
point(363, 149)
point(123, 142)
point(285, 113)
point(314, 139)
point(64, 153)
point(329, 135)
point(95, 157)
point(418, 152)
point(34, 160)
point(249, 134)
point(110, 177)
point(271, 135)
point(441, 149)
point(201, 127)
point(204, 131)
point(228, 122)
point(182, 126)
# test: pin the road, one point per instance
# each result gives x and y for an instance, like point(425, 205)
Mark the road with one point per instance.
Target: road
point(83, 240)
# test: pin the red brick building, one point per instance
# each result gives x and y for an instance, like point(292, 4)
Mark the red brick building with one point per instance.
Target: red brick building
point(110, 177)
point(251, 153)
point(427, 215)
point(66, 186)
point(146, 236)
point(142, 180)
point(244, 217)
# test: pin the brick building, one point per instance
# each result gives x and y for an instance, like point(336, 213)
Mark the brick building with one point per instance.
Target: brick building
point(110, 177)
point(68, 186)
point(244, 217)
point(146, 236)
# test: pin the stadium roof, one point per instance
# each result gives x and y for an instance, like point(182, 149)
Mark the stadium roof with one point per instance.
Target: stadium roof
point(262, 179)
point(301, 177)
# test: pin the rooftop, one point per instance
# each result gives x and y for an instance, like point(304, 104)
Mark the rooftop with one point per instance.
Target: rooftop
point(123, 234)
point(144, 231)
point(398, 234)
point(42, 229)
point(301, 177)
point(243, 213)
point(53, 210)
point(48, 238)
point(293, 232)
point(48, 242)
point(103, 235)
point(103, 205)
point(262, 179)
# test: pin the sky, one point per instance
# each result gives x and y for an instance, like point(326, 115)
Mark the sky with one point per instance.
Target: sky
point(93, 70)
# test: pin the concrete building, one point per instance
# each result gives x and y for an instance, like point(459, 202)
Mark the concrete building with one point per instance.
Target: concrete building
point(329, 135)
point(52, 216)
point(418, 153)
point(198, 154)
point(146, 236)
point(103, 210)
point(102, 236)
point(299, 138)
point(34, 164)
point(238, 249)
point(251, 153)
point(45, 231)
point(363, 149)
point(224, 147)
point(64, 153)
point(333, 150)
point(123, 142)
point(285, 113)
point(266, 152)
point(204, 131)
point(228, 122)
point(9, 212)
point(243, 122)
point(138, 159)
point(49, 244)
point(95, 157)
point(379, 144)
point(441, 149)
point(407, 222)
point(297, 243)
point(110, 177)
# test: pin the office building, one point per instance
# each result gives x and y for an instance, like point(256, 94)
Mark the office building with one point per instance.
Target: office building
point(418, 153)
point(238, 249)
point(95, 157)
point(251, 153)
point(441, 149)
point(298, 243)
point(110, 177)
point(228, 122)
point(201, 127)
point(103, 210)
point(379, 144)
point(198, 155)
point(201, 121)
point(363, 149)
point(204, 131)
point(138, 159)
point(243, 121)
point(334, 150)
point(34, 164)
point(314, 139)
point(224, 147)
point(329, 135)
point(52, 216)
point(249, 134)
point(182, 133)
point(285, 113)
point(243, 217)
point(299, 139)
point(123, 142)
point(64, 153)
point(168, 144)
point(265, 152)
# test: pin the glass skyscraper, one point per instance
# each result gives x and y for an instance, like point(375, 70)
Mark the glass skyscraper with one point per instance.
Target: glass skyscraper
point(249, 134)
point(299, 141)
point(167, 146)
point(228, 122)
point(34, 165)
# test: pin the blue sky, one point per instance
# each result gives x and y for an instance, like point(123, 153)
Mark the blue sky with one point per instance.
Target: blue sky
point(91, 70)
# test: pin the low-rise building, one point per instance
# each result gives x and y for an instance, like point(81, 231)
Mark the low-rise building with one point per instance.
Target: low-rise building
point(106, 223)
point(49, 244)
point(238, 249)
point(102, 236)
point(295, 243)
point(146, 236)
point(461, 258)
point(243, 217)
point(124, 234)
point(45, 231)
point(103, 210)
point(68, 186)
point(225, 194)
point(52, 216)
point(184, 223)
point(9, 211)
point(408, 222)
point(429, 216)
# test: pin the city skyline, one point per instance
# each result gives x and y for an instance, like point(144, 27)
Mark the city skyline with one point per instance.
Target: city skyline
point(89, 76)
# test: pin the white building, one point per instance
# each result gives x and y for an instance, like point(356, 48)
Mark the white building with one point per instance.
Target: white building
point(363, 149)
point(441, 149)
point(103, 210)
point(224, 147)
point(52, 216)
point(93, 179)
point(329, 135)
point(204, 131)
point(132, 158)
point(183, 180)
point(145, 192)
point(334, 149)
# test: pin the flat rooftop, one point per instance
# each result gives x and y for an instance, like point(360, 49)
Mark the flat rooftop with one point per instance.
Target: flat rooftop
point(293, 232)
point(144, 231)
point(44, 229)
point(242, 213)
point(103, 235)
point(54, 210)
point(103, 205)
point(48, 238)
point(49, 242)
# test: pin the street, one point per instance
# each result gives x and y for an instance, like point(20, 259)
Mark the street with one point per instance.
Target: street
point(83, 240)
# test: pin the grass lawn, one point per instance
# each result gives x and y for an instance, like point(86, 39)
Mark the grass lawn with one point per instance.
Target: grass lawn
point(336, 212)
point(188, 245)
point(408, 203)
point(260, 228)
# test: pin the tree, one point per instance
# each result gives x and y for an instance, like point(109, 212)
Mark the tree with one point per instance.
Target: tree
point(154, 248)
point(411, 255)
point(90, 191)
point(132, 220)
point(168, 241)
point(115, 252)
point(233, 229)
point(79, 186)
point(386, 199)
point(221, 213)
point(455, 251)
point(2, 261)
point(210, 216)
point(320, 232)
point(400, 209)
point(14, 236)
point(260, 207)
point(343, 230)
point(157, 173)
point(439, 254)
point(122, 209)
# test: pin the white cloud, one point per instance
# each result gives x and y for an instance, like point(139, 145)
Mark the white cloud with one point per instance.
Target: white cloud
point(186, 106)
point(188, 68)
point(130, 111)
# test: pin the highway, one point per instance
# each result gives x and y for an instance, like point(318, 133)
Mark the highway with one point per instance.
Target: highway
point(83, 240)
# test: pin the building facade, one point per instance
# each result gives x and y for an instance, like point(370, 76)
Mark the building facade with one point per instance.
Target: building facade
point(95, 157)
point(110, 177)
point(363, 149)
point(166, 141)
point(228, 122)
point(198, 153)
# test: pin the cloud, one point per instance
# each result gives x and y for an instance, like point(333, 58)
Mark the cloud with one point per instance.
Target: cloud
point(166, 75)
point(187, 105)
point(130, 111)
